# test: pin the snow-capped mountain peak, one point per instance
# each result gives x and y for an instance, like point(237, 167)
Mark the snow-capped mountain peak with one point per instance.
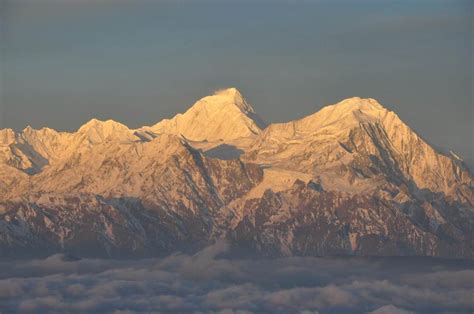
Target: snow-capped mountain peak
point(107, 125)
point(358, 103)
point(98, 131)
point(225, 115)
point(230, 96)
point(346, 113)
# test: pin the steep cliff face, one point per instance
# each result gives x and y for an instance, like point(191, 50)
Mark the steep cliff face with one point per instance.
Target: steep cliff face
point(306, 220)
point(350, 179)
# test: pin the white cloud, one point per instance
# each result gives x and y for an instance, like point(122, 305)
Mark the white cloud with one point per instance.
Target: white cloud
point(210, 283)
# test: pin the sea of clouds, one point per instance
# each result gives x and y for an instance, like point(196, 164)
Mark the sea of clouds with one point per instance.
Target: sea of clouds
point(211, 282)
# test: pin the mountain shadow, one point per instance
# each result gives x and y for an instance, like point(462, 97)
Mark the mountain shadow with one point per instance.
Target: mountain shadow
point(225, 152)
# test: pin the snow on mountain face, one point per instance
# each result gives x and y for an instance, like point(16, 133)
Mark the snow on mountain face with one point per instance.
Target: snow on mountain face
point(362, 140)
point(96, 131)
point(226, 115)
point(7, 136)
point(31, 150)
point(351, 178)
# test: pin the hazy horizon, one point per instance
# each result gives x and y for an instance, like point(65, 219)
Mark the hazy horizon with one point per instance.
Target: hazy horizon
point(65, 62)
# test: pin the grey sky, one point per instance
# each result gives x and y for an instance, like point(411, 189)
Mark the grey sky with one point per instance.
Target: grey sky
point(64, 62)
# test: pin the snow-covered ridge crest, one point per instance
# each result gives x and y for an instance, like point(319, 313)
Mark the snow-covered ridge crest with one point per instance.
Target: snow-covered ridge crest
point(345, 113)
point(225, 106)
point(331, 119)
point(351, 178)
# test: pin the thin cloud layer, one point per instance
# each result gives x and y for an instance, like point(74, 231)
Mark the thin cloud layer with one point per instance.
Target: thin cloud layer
point(209, 282)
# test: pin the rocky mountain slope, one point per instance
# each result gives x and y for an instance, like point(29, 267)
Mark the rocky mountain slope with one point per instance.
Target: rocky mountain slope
point(350, 179)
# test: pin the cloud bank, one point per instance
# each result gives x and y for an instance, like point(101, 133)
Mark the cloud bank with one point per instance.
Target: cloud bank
point(208, 282)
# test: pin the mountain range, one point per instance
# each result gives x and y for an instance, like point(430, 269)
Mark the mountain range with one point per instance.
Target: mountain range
point(350, 179)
